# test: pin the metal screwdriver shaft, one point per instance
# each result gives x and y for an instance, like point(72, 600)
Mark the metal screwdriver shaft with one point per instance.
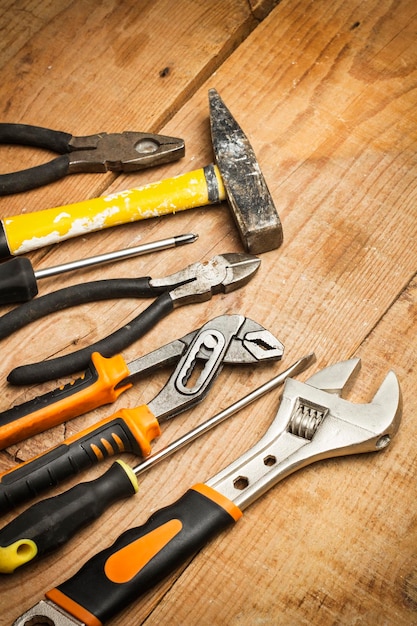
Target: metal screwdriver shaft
point(203, 428)
point(118, 255)
point(18, 280)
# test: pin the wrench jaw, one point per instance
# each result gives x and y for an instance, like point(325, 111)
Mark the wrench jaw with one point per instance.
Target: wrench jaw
point(310, 425)
point(335, 378)
point(47, 613)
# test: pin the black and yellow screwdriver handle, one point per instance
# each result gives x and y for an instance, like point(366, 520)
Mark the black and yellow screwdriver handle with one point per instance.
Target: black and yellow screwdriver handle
point(143, 556)
point(97, 387)
point(128, 430)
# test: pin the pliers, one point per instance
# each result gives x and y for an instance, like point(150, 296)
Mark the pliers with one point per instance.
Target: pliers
point(199, 357)
point(196, 283)
point(117, 152)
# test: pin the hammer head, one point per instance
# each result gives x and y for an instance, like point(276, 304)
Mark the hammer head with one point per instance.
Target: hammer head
point(248, 195)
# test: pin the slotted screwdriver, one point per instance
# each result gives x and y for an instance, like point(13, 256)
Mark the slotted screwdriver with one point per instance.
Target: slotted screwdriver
point(19, 281)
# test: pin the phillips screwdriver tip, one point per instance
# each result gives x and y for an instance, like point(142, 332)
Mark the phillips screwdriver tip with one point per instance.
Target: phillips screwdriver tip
point(182, 239)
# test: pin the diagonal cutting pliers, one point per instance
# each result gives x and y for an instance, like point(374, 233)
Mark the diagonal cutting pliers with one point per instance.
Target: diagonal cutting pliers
point(195, 283)
point(117, 152)
point(198, 357)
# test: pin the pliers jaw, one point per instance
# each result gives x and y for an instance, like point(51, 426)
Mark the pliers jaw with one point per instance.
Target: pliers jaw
point(122, 152)
point(228, 339)
point(199, 281)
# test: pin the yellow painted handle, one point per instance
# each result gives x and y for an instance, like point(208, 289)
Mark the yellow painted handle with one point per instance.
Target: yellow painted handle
point(31, 231)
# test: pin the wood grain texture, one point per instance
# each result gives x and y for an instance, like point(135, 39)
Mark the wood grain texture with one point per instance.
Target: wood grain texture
point(327, 95)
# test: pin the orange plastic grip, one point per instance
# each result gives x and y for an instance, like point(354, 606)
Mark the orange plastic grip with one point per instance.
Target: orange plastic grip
point(128, 430)
point(95, 388)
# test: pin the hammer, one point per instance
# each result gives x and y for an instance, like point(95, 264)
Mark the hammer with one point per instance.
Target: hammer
point(235, 177)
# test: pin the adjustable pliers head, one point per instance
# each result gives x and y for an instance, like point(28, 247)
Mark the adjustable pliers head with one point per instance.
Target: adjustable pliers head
point(228, 339)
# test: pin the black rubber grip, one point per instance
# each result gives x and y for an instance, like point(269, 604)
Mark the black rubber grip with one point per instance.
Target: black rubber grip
point(192, 521)
point(4, 246)
point(68, 459)
point(74, 296)
point(33, 177)
point(36, 136)
point(23, 134)
point(112, 344)
point(17, 281)
point(52, 522)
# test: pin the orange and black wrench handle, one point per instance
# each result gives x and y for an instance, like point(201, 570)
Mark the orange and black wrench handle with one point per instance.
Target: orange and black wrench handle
point(128, 430)
point(143, 556)
point(102, 383)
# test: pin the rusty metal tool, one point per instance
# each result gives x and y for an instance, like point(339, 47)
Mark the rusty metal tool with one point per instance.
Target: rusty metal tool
point(103, 152)
point(312, 423)
point(19, 281)
point(228, 339)
point(50, 523)
point(236, 177)
point(197, 282)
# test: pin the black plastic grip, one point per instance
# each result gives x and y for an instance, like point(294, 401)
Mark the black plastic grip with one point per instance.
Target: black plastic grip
point(112, 344)
point(68, 459)
point(49, 399)
point(17, 281)
point(54, 521)
point(36, 136)
point(173, 535)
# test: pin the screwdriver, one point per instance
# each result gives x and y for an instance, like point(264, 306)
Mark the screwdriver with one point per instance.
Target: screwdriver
point(19, 281)
point(50, 523)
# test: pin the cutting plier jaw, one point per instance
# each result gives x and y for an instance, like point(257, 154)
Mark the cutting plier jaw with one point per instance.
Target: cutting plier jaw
point(199, 281)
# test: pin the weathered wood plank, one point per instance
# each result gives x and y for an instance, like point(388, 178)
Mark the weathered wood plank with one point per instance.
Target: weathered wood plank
point(327, 96)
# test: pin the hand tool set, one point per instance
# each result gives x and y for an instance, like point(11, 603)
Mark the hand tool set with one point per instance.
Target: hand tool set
point(50, 523)
point(313, 421)
point(230, 339)
point(236, 176)
point(196, 283)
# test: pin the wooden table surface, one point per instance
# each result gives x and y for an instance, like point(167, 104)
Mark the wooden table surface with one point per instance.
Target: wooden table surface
point(327, 94)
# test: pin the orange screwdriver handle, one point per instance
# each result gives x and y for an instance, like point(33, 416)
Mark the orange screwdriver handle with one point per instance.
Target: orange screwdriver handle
point(95, 388)
point(128, 430)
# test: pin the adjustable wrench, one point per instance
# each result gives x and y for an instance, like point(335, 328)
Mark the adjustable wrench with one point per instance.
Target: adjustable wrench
point(313, 422)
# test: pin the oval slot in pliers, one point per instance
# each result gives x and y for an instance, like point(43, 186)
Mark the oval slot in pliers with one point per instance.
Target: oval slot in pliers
point(117, 152)
point(195, 283)
point(199, 358)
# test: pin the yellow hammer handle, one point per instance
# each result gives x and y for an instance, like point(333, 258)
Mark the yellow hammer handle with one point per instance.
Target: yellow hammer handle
point(30, 231)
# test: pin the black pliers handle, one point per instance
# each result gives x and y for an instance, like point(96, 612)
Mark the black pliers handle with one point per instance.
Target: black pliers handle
point(195, 283)
point(117, 152)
